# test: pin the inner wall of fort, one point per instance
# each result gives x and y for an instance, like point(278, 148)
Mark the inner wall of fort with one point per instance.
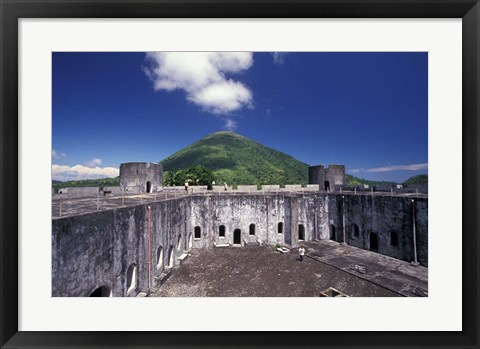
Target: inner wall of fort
point(122, 251)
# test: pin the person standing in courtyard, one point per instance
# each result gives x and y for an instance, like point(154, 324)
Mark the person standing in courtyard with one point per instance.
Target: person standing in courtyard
point(301, 253)
point(186, 186)
point(225, 186)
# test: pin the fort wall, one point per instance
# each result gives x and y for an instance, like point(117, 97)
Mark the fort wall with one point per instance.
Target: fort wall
point(390, 218)
point(78, 192)
point(97, 249)
point(94, 250)
point(92, 192)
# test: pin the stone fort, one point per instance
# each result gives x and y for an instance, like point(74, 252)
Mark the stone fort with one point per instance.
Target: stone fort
point(120, 241)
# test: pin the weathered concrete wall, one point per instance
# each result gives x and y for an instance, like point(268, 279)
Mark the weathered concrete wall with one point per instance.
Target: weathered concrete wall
point(312, 187)
point(141, 175)
point(174, 188)
point(382, 215)
point(271, 187)
point(421, 188)
point(96, 249)
point(86, 192)
point(115, 191)
point(169, 229)
point(61, 196)
point(293, 187)
point(198, 188)
point(134, 190)
point(88, 252)
point(79, 192)
point(247, 188)
point(322, 213)
point(318, 213)
point(264, 211)
point(219, 188)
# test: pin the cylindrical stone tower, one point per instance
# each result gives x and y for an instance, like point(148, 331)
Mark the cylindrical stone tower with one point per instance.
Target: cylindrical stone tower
point(316, 175)
point(335, 174)
point(141, 177)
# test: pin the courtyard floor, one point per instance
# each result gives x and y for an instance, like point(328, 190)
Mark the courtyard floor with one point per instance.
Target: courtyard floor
point(394, 274)
point(261, 271)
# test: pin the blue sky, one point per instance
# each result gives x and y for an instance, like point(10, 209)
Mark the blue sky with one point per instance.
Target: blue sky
point(368, 111)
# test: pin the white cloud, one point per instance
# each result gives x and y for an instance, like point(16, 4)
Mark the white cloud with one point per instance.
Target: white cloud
point(93, 163)
point(202, 76)
point(78, 172)
point(230, 124)
point(412, 167)
point(279, 57)
point(57, 155)
point(222, 97)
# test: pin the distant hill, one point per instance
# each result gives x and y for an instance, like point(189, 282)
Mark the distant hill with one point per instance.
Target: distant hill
point(352, 181)
point(238, 160)
point(99, 182)
point(420, 179)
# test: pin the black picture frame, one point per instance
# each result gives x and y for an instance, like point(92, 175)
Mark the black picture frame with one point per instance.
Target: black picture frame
point(11, 11)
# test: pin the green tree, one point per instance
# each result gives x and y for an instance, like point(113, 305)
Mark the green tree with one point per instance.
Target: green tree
point(420, 179)
point(200, 175)
point(179, 177)
point(168, 179)
point(195, 175)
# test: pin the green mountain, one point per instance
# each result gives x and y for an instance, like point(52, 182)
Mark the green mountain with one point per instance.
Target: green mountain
point(420, 179)
point(235, 159)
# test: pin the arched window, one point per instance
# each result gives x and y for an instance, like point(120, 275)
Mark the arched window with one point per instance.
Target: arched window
point(327, 185)
point(333, 234)
point(131, 278)
point(237, 237)
point(221, 231)
point(373, 242)
point(280, 228)
point(393, 239)
point(159, 257)
point(301, 232)
point(251, 230)
point(197, 232)
point(355, 232)
point(148, 187)
point(102, 291)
